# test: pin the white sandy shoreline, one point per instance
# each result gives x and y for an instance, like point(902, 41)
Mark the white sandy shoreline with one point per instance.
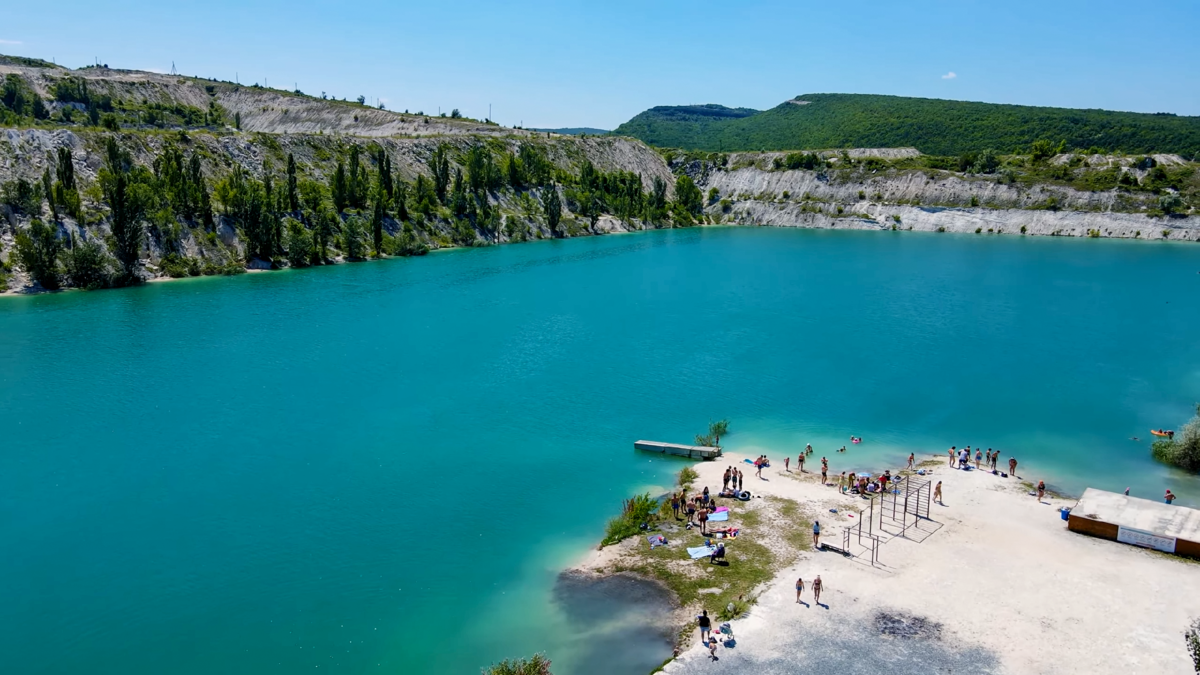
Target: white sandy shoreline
point(1002, 576)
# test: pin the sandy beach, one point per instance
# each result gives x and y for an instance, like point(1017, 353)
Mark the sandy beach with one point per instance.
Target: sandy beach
point(997, 585)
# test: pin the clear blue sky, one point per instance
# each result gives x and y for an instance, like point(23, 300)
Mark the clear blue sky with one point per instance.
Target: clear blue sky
point(597, 64)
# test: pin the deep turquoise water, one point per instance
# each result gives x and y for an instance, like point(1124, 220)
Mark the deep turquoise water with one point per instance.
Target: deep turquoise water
point(383, 467)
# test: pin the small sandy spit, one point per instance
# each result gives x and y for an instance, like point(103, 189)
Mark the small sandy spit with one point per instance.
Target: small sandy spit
point(993, 583)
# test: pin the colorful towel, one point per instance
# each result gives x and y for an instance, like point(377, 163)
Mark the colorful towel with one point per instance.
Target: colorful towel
point(720, 509)
point(701, 552)
point(718, 517)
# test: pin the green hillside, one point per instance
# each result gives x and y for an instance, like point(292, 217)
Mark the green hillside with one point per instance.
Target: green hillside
point(932, 126)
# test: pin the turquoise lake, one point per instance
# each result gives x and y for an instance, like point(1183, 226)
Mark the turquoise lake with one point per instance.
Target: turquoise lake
point(383, 467)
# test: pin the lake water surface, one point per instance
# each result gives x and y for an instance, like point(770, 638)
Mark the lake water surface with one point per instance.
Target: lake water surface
point(384, 467)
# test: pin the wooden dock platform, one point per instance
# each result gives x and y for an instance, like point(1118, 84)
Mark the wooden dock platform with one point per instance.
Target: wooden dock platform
point(1141, 522)
point(689, 451)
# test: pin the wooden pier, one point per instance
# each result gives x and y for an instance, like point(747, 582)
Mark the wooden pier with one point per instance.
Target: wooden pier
point(689, 451)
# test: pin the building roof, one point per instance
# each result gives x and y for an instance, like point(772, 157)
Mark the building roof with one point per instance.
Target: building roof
point(1157, 517)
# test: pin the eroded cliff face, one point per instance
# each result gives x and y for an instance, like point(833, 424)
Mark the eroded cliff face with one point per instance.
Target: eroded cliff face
point(25, 153)
point(930, 201)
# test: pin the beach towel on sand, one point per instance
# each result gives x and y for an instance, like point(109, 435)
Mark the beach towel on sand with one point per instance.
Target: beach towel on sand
point(701, 551)
point(718, 516)
point(720, 509)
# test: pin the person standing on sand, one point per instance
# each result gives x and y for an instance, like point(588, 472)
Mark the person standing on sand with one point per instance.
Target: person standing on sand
point(817, 534)
point(816, 586)
point(712, 649)
point(799, 589)
point(824, 473)
point(978, 457)
point(740, 477)
point(1041, 489)
point(758, 467)
point(703, 518)
point(912, 458)
point(705, 624)
point(725, 481)
point(952, 452)
point(842, 483)
point(1012, 466)
point(786, 460)
point(937, 493)
point(691, 511)
point(993, 457)
point(675, 504)
point(800, 462)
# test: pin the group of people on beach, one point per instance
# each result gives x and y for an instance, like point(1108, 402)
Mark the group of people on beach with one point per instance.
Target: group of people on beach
point(863, 484)
point(961, 459)
point(734, 476)
point(816, 589)
point(697, 508)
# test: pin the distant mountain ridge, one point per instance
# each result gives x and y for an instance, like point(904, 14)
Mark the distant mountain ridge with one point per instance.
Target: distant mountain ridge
point(576, 131)
point(933, 126)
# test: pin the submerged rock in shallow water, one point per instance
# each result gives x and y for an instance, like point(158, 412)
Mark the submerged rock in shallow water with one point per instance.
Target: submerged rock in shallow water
point(622, 623)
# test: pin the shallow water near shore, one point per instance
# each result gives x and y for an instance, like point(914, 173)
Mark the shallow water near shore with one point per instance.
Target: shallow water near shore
point(385, 466)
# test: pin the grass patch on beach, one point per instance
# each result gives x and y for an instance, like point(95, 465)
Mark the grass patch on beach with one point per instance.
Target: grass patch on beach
point(799, 536)
point(753, 558)
point(750, 564)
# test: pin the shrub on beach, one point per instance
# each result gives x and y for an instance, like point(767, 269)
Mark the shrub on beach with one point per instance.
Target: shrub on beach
point(1192, 637)
point(1183, 451)
point(537, 664)
point(635, 512)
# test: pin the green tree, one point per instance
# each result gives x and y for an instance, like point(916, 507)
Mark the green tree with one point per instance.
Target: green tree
point(299, 243)
point(439, 169)
point(401, 201)
point(1044, 149)
point(338, 188)
point(552, 205)
point(688, 197)
point(377, 227)
point(482, 174)
point(37, 252)
point(66, 189)
point(537, 169)
point(356, 180)
point(1182, 451)
point(514, 171)
point(246, 203)
point(87, 265)
point(127, 198)
point(17, 95)
point(325, 230)
point(22, 196)
point(656, 205)
point(354, 236)
point(460, 203)
point(293, 194)
point(384, 182)
point(718, 429)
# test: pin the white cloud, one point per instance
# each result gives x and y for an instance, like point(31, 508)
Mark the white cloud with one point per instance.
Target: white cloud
point(11, 42)
point(950, 75)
